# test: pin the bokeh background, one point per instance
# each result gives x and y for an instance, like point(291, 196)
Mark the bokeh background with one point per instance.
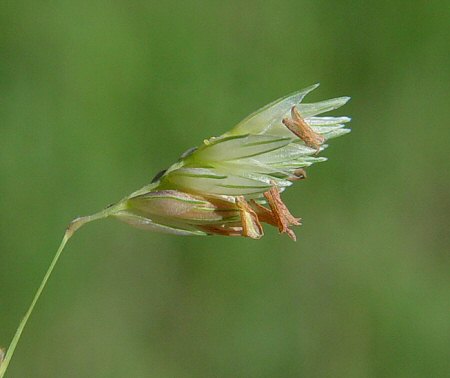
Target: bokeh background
point(97, 96)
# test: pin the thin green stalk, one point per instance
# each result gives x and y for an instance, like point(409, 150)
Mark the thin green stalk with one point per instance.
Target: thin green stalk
point(73, 226)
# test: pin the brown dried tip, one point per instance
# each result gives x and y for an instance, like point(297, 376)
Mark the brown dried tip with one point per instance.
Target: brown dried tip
point(300, 128)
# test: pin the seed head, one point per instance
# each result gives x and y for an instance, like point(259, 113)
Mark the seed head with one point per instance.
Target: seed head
point(231, 183)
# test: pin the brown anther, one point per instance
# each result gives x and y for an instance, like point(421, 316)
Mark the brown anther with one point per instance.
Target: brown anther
point(298, 174)
point(281, 216)
point(251, 227)
point(300, 128)
point(264, 214)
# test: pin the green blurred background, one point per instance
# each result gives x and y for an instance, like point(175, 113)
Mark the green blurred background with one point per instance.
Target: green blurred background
point(97, 96)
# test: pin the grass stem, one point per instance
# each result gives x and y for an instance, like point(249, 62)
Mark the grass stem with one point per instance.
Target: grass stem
point(73, 226)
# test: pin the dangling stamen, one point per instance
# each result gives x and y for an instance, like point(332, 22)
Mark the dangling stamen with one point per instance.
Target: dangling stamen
point(251, 227)
point(281, 215)
point(264, 214)
point(300, 128)
point(298, 174)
